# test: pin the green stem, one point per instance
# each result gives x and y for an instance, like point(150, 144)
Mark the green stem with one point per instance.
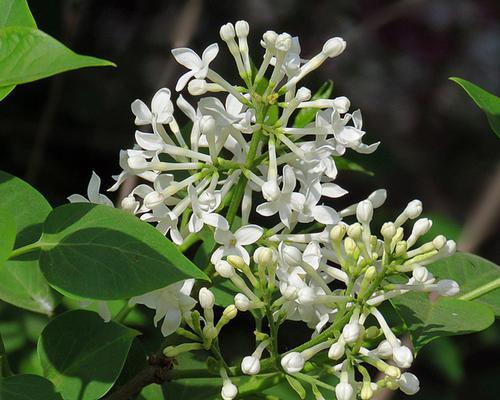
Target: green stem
point(239, 190)
point(124, 312)
point(25, 249)
point(191, 239)
point(481, 290)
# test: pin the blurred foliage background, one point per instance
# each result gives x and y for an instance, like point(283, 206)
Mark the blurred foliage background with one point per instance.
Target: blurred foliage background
point(436, 145)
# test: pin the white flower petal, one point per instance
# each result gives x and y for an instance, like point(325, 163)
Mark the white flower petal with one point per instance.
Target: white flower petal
point(142, 113)
point(325, 215)
point(171, 322)
point(188, 58)
point(248, 234)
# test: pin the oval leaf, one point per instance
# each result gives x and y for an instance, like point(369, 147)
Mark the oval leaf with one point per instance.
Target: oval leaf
point(84, 362)
point(427, 320)
point(7, 235)
point(479, 279)
point(98, 252)
point(23, 387)
point(489, 103)
point(28, 54)
point(21, 282)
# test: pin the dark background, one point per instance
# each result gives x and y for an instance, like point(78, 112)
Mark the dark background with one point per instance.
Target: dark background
point(436, 144)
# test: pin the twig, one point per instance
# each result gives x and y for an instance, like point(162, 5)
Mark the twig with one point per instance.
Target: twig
point(483, 218)
point(155, 372)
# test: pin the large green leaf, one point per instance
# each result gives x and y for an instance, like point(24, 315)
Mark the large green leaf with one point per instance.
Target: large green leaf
point(98, 252)
point(25, 387)
point(7, 235)
point(21, 282)
point(28, 54)
point(489, 103)
point(479, 279)
point(16, 13)
point(83, 355)
point(307, 115)
point(427, 320)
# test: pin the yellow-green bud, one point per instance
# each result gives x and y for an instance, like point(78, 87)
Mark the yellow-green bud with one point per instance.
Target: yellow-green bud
point(355, 231)
point(401, 248)
point(338, 232)
point(372, 332)
point(230, 312)
point(237, 262)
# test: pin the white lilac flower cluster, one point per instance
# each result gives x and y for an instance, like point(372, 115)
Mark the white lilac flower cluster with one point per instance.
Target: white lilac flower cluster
point(246, 150)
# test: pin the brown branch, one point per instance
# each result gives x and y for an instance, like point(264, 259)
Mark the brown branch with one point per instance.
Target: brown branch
point(155, 372)
point(484, 217)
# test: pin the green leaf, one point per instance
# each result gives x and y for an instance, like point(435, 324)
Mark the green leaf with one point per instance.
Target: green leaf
point(98, 252)
point(28, 54)
point(16, 13)
point(151, 392)
point(489, 103)
point(307, 115)
point(427, 320)
point(7, 235)
point(83, 355)
point(343, 163)
point(479, 279)
point(449, 363)
point(296, 386)
point(24, 387)
point(5, 91)
point(21, 282)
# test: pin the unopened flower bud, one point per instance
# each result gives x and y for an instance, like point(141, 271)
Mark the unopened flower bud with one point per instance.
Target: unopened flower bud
point(421, 274)
point(413, 209)
point(334, 47)
point(303, 94)
point(210, 332)
point(269, 39)
point(291, 255)
point(364, 211)
point(237, 262)
point(392, 371)
point(366, 391)
point(421, 227)
point(283, 42)
point(344, 391)
point(372, 332)
point(197, 87)
point(402, 356)
point(448, 287)
point(355, 231)
point(225, 269)
point(371, 272)
point(264, 256)
point(388, 230)
point(350, 246)
point(250, 365)
point(351, 332)
point(242, 28)
point(378, 197)
point(229, 391)
point(242, 302)
point(227, 32)
point(293, 362)
point(336, 351)
point(341, 104)
point(130, 204)
point(384, 349)
point(153, 199)
point(439, 241)
point(338, 232)
point(206, 298)
point(408, 383)
point(401, 248)
point(230, 312)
